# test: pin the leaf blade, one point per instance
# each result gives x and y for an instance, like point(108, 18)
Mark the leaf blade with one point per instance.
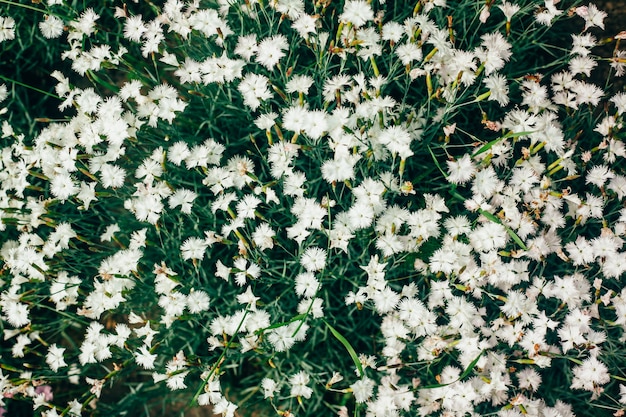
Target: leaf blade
point(348, 347)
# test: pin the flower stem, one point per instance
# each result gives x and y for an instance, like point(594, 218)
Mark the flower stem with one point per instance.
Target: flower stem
point(10, 80)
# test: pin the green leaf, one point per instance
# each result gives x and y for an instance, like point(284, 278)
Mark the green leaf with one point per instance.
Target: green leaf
point(437, 162)
point(471, 366)
point(284, 323)
point(490, 145)
point(510, 231)
point(348, 347)
point(464, 375)
point(489, 216)
point(516, 238)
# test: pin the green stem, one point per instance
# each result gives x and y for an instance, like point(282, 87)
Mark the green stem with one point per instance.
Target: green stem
point(25, 6)
point(219, 360)
point(9, 80)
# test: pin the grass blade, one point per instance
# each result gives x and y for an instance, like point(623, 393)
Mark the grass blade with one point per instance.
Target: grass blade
point(348, 347)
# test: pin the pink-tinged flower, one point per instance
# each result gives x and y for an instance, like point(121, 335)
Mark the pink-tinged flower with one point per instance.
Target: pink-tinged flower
point(592, 15)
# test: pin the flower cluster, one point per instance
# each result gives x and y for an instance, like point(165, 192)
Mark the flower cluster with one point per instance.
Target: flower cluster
point(360, 208)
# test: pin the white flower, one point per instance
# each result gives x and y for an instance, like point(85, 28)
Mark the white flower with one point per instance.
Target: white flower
point(409, 52)
point(360, 216)
point(7, 130)
point(458, 225)
point(580, 251)
point(582, 44)
point(306, 284)
point(18, 348)
point(281, 338)
point(198, 301)
point(269, 387)
point(363, 389)
point(334, 86)
point(357, 12)
point(183, 198)
point(509, 9)
point(7, 28)
point(246, 207)
point(263, 236)
point(134, 28)
point(316, 124)
point(266, 121)
point(85, 25)
point(109, 232)
point(598, 175)
point(582, 65)
point(62, 186)
point(271, 50)
point(587, 93)
point(248, 298)
point(291, 8)
point(246, 46)
point(299, 383)
point(254, 88)
point(51, 27)
point(207, 153)
point(385, 300)
point(461, 170)
point(389, 243)
point(619, 100)
point(299, 84)
point(590, 374)
point(130, 89)
point(488, 237)
point(312, 307)
point(592, 15)
point(548, 13)
point(53, 413)
point(313, 259)
point(177, 381)
point(340, 236)
point(622, 393)
point(397, 140)
point(178, 152)
point(498, 88)
point(295, 118)
point(87, 194)
point(112, 176)
point(304, 25)
point(221, 270)
point(147, 332)
point(193, 248)
point(144, 358)
point(486, 182)
point(618, 185)
point(443, 260)
point(96, 386)
point(392, 31)
point(225, 408)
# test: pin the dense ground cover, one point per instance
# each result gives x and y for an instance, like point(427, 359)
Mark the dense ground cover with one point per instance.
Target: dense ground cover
point(354, 208)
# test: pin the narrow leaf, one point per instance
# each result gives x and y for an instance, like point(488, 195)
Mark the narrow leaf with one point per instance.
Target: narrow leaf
point(510, 231)
point(348, 347)
point(516, 238)
point(284, 323)
point(471, 366)
point(464, 375)
point(490, 145)
point(437, 163)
